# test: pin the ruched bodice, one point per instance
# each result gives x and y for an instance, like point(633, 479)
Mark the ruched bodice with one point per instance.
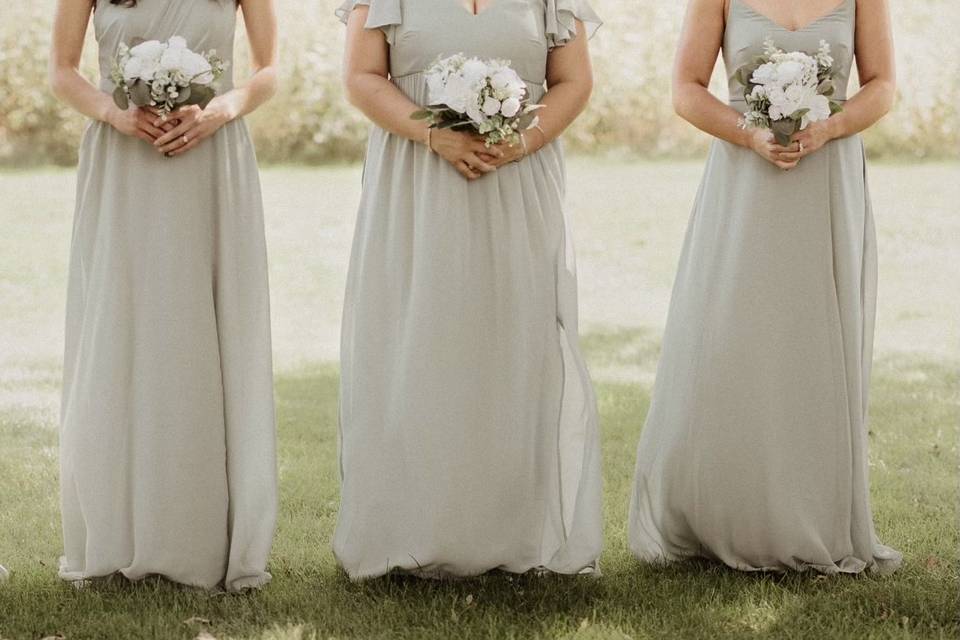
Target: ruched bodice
point(747, 28)
point(205, 24)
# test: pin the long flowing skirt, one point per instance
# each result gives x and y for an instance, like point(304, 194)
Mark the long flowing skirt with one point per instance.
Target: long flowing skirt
point(167, 440)
point(755, 448)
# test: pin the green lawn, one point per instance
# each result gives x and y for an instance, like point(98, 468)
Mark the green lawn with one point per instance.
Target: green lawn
point(629, 223)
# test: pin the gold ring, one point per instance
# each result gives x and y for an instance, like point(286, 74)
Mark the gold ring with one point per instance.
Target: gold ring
point(186, 140)
point(801, 146)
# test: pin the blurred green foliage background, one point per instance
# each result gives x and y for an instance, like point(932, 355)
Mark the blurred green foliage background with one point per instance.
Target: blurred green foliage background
point(631, 115)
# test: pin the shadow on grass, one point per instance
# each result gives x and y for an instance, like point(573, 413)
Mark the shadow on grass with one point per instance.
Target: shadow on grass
point(914, 428)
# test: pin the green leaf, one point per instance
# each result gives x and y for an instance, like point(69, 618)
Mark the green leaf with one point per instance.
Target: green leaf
point(783, 130)
point(140, 93)
point(200, 95)
point(422, 114)
point(183, 95)
point(835, 107)
point(826, 88)
point(120, 98)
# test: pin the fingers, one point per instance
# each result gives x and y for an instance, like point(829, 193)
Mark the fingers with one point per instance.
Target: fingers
point(786, 166)
point(790, 156)
point(177, 143)
point(466, 171)
point(481, 149)
point(183, 149)
point(475, 163)
point(145, 124)
point(187, 121)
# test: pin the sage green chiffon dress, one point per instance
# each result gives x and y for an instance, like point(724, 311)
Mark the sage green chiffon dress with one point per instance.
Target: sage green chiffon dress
point(755, 447)
point(167, 448)
point(469, 436)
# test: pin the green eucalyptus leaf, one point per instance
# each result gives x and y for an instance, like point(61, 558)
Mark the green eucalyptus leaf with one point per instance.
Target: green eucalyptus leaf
point(200, 95)
point(184, 95)
point(140, 93)
point(120, 98)
point(422, 114)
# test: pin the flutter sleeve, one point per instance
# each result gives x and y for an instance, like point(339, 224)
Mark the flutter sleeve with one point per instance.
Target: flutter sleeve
point(384, 14)
point(561, 20)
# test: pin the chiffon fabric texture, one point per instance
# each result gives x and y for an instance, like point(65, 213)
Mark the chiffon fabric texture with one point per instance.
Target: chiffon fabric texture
point(754, 451)
point(168, 462)
point(469, 435)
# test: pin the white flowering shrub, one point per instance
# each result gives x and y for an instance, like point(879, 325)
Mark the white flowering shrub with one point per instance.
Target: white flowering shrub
point(631, 112)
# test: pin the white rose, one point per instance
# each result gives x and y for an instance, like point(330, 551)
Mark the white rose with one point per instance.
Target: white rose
point(474, 72)
point(819, 109)
point(196, 68)
point(172, 59)
point(149, 49)
point(132, 69)
point(765, 74)
point(510, 107)
point(176, 42)
point(476, 114)
point(456, 94)
point(788, 72)
point(491, 106)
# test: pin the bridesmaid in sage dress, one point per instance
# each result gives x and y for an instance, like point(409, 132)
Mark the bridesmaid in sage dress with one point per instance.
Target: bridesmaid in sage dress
point(468, 421)
point(755, 448)
point(167, 437)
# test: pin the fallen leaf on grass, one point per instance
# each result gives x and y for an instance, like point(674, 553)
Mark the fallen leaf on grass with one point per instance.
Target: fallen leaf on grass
point(933, 562)
point(203, 635)
point(196, 620)
point(59, 636)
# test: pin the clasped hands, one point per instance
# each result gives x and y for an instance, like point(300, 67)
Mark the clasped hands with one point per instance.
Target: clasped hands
point(471, 156)
point(172, 134)
point(802, 144)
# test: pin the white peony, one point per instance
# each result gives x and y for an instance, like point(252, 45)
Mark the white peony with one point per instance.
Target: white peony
point(510, 107)
point(149, 49)
point(172, 59)
point(474, 72)
point(491, 106)
point(177, 42)
point(789, 72)
point(765, 74)
point(819, 109)
point(456, 94)
point(196, 68)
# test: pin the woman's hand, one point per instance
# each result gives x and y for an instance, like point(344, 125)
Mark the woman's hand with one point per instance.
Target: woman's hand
point(763, 143)
point(193, 126)
point(811, 139)
point(136, 122)
point(532, 141)
point(464, 151)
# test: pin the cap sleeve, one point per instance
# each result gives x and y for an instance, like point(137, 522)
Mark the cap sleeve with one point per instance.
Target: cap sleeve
point(384, 14)
point(561, 20)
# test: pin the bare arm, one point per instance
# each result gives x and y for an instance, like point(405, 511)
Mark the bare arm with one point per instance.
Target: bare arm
point(66, 82)
point(875, 62)
point(196, 124)
point(700, 42)
point(366, 77)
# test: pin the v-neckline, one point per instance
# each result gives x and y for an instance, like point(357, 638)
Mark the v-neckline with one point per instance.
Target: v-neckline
point(493, 3)
point(806, 26)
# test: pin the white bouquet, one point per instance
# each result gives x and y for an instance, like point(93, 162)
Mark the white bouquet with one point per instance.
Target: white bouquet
point(164, 75)
point(487, 96)
point(788, 91)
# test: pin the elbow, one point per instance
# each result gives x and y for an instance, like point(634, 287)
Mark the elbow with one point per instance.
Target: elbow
point(889, 93)
point(681, 105)
point(353, 88)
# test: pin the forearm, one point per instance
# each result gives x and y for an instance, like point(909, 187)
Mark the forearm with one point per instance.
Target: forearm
point(72, 88)
point(383, 103)
point(563, 102)
point(863, 110)
point(249, 96)
point(694, 103)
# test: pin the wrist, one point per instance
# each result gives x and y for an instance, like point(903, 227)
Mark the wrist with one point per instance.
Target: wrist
point(834, 126)
point(223, 110)
point(110, 113)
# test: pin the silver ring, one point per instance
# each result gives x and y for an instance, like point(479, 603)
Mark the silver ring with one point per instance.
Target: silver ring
point(186, 140)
